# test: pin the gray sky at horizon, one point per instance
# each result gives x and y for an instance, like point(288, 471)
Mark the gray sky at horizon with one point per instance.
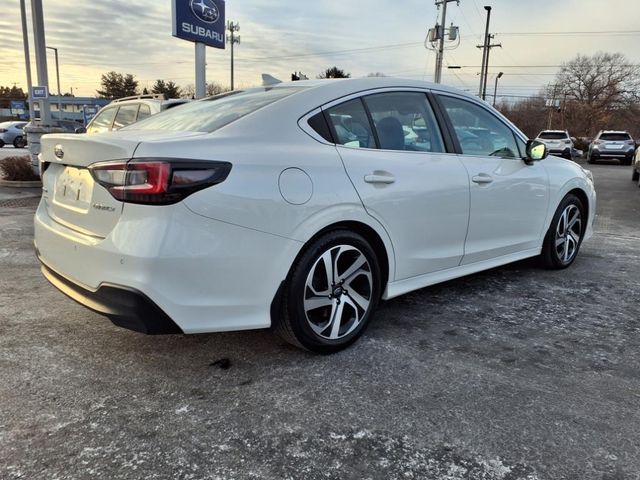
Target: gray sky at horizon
point(279, 38)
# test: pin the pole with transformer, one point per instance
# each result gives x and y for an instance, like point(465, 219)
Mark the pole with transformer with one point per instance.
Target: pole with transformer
point(231, 39)
point(439, 31)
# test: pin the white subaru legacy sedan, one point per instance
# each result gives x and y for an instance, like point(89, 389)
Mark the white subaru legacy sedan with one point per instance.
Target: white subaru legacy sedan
point(298, 207)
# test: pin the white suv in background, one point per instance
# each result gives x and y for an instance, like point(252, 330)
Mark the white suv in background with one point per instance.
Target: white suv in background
point(127, 110)
point(558, 142)
point(612, 144)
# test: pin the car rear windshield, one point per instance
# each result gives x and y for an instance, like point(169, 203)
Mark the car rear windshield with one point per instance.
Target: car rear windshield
point(553, 135)
point(615, 136)
point(213, 113)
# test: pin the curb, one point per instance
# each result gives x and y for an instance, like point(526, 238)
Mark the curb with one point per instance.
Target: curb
point(20, 184)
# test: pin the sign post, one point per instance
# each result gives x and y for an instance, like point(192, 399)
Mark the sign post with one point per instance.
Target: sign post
point(201, 22)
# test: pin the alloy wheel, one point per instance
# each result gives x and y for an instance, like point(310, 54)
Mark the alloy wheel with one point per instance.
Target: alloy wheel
point(568, 233)
point(338, 292)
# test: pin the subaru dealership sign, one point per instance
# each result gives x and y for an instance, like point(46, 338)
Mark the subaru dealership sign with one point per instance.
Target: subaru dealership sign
point(88, 112)
point(200, 21)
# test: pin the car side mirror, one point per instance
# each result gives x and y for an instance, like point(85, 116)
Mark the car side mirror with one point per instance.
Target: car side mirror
point(536, 151)
point(80, 130)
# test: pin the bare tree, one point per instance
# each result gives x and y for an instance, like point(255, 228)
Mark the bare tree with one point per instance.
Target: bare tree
point(598, 90)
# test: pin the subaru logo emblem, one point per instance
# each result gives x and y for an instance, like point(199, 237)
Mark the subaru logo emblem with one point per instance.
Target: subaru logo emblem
point(58, 151)
point(205, 10)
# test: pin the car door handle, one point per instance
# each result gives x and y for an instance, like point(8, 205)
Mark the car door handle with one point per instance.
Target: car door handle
point(482, 179)
point(379, 177)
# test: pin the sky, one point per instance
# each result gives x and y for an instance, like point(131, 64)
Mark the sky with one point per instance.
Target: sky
point(361, 37)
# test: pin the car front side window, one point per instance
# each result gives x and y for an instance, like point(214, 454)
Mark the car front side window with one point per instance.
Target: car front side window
point(404, 121)
point(478, 131)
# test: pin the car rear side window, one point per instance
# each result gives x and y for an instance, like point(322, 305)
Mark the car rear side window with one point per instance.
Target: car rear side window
point(351, 125)
point(478, 131)
point(102, 122)
point(126, 116)
point(553, 135)
point(615, 137)
point(213, 113)
point(319, 124)
point(144, 112)
point(404, 121)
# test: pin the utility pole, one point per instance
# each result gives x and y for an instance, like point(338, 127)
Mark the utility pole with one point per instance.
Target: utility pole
point(484, 50)
point(436, 37)
point(486, 65)
point(233, 38)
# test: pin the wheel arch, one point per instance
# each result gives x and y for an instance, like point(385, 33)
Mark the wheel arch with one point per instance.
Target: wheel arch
point(584, 198)
point(383, 251)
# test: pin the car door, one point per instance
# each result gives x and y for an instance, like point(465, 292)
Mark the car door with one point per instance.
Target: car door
point(509, 197)
point(394, 153)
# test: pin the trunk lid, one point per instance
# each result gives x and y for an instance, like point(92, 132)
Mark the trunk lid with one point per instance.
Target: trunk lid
point(71, 196)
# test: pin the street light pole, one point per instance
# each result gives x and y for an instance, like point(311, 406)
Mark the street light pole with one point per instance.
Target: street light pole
point(58, 79)
point(495, 89)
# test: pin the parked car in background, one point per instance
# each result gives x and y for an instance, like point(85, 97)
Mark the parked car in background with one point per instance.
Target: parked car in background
point(635, 172)
point(612, 144)
point(559, 142)
point(71, 126)
point(299, 206)
point(125, 111)
point(11, 133)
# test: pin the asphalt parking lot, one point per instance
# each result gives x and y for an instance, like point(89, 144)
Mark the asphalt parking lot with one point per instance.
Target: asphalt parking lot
point(515, 373)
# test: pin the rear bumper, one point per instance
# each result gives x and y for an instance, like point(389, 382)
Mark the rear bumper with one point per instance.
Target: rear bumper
point(611, 154)
point(125, 307)
point(165, 264)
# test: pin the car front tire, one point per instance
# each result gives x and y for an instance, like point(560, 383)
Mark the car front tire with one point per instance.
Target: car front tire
point(635, 175)
point(331, 293)
point(564, 237)
point(19, 142)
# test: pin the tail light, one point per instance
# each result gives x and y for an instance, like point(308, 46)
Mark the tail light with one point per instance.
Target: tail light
point(631, 142)
point(597, 142)
point(158, 181)
point(567, 142)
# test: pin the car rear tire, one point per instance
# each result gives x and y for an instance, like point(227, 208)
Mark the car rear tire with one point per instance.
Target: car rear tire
point(1, 143)
point(564, 237)
point(331, 293)
point(19, 142)
point(635, 175)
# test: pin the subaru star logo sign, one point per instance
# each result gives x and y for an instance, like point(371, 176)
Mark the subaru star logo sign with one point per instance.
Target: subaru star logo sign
point(200, 21)
point(205, 10)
